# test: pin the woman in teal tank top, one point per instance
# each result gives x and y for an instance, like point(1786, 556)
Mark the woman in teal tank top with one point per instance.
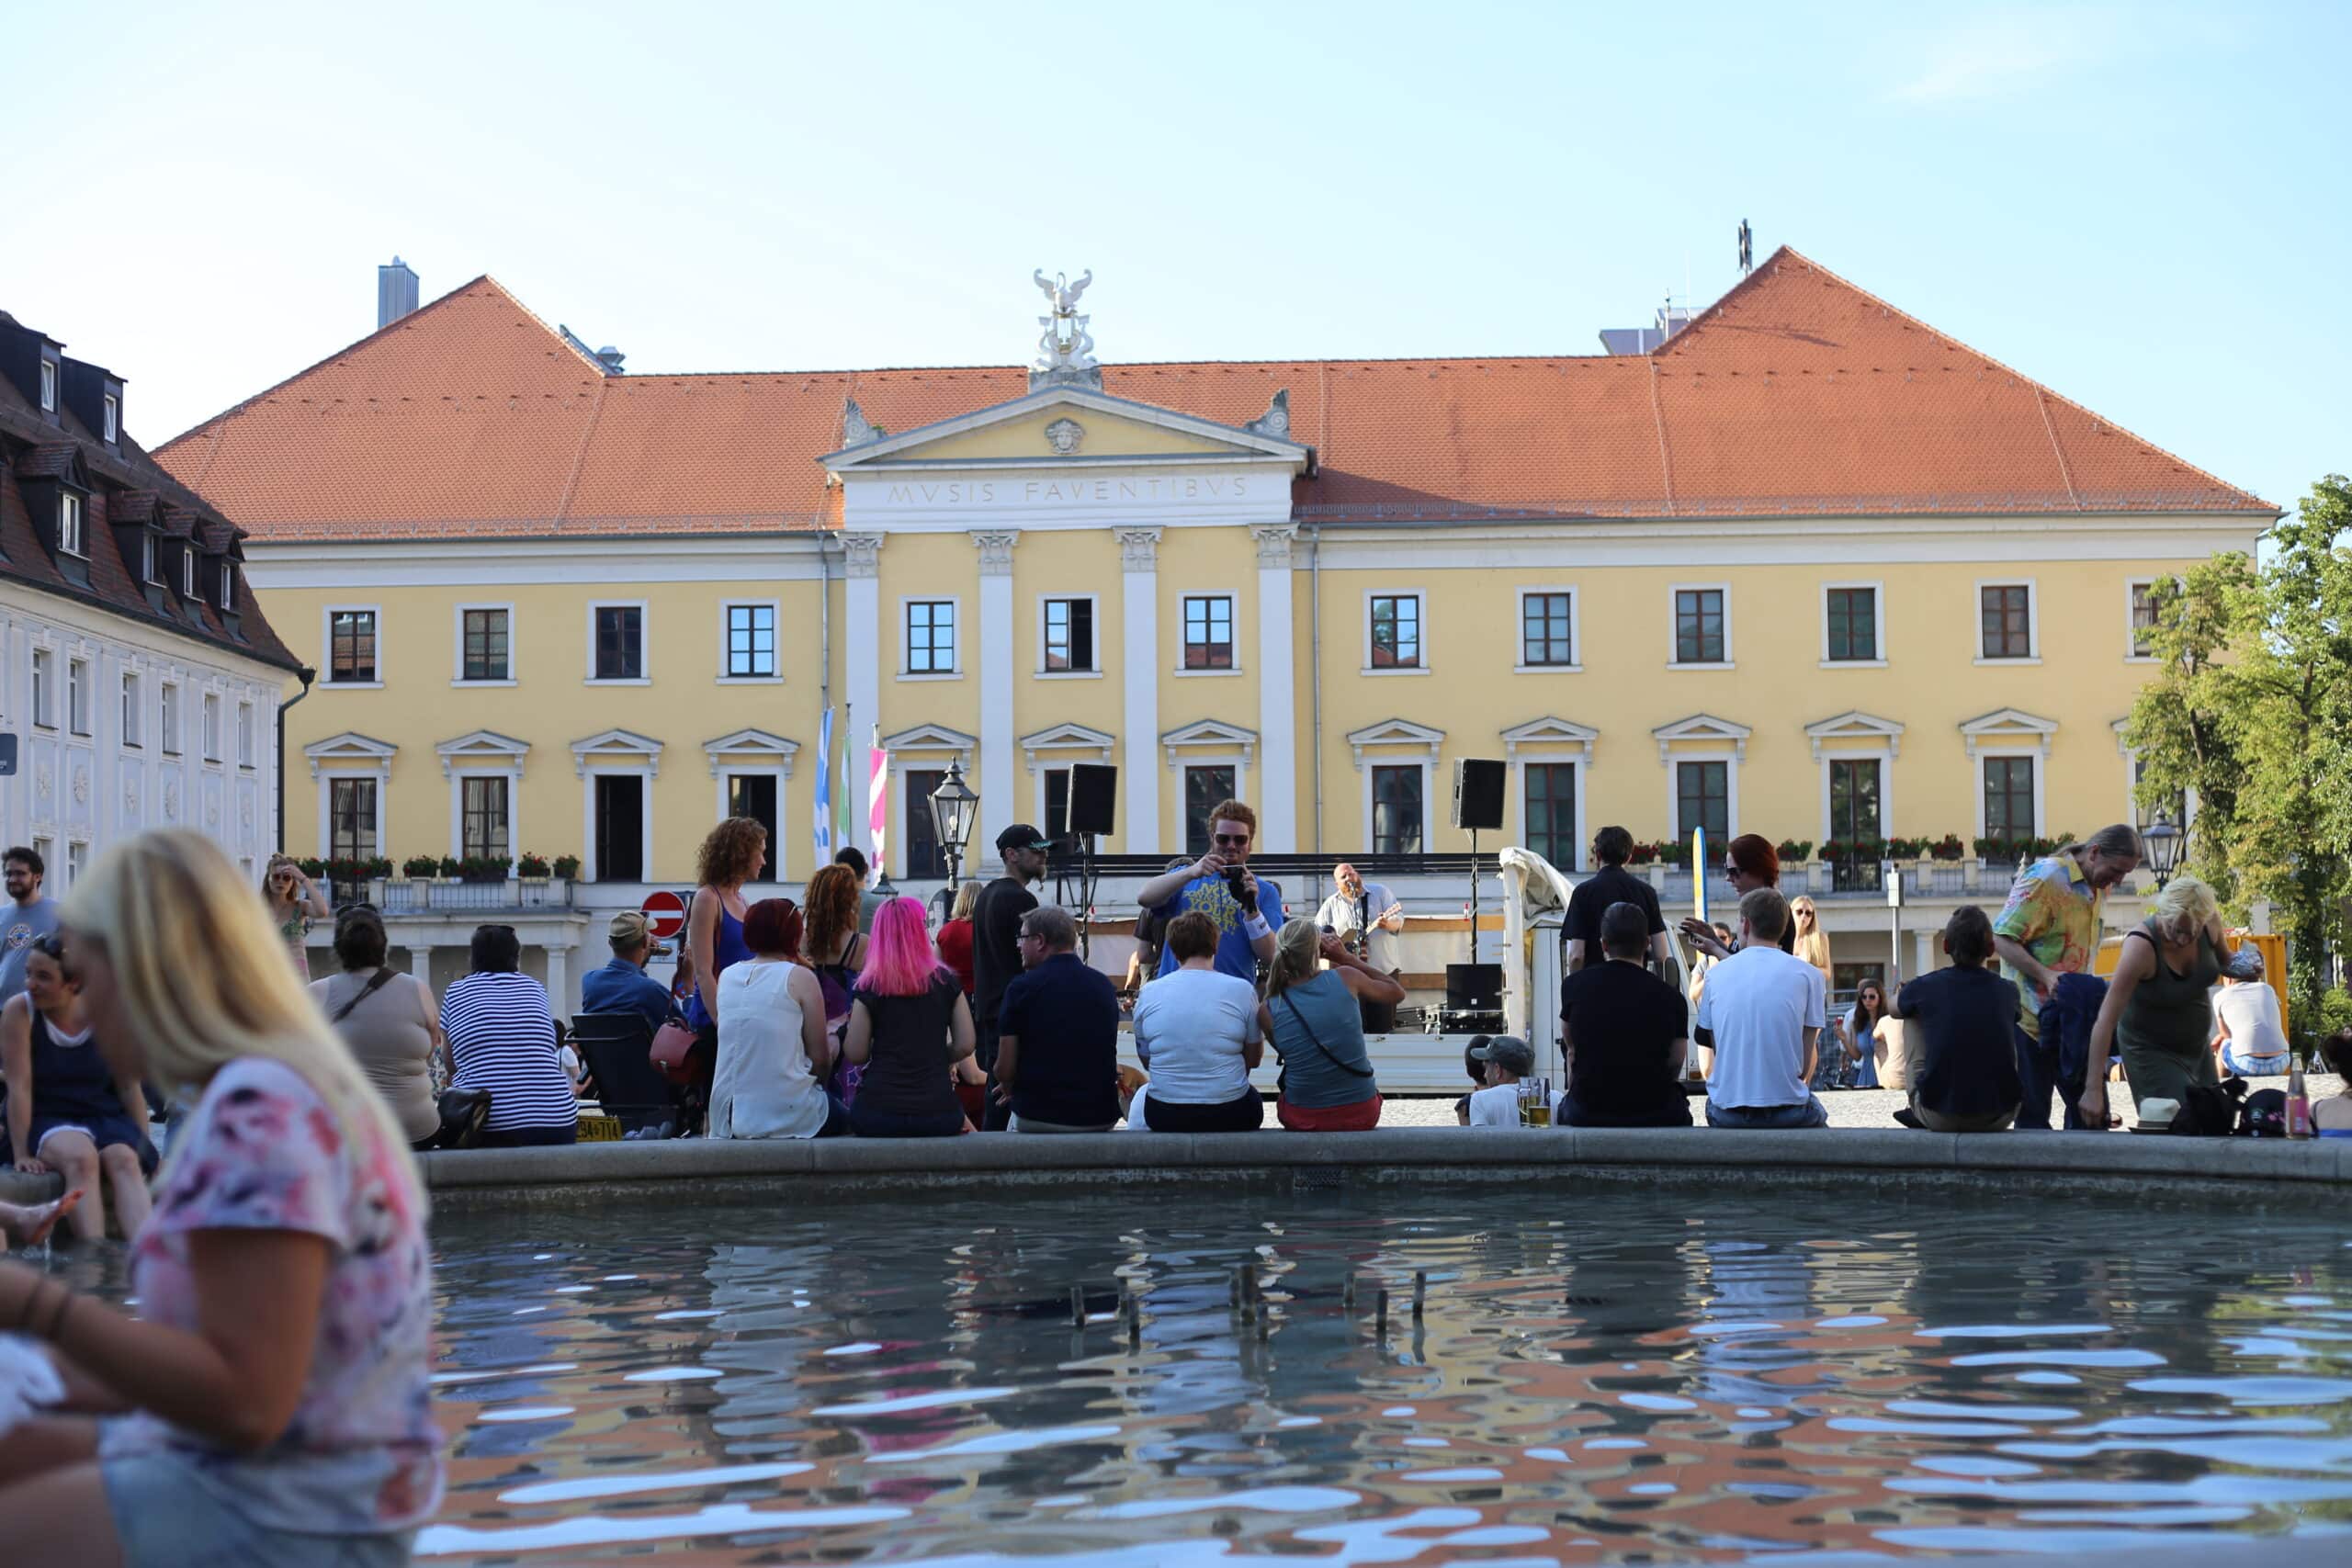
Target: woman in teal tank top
point(1310, 1014)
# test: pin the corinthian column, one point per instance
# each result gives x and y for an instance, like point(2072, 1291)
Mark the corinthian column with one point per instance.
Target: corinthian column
point(997, 744)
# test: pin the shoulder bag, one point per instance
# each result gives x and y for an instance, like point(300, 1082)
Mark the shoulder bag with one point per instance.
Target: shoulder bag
point(1316, 1041)
point(375, 982)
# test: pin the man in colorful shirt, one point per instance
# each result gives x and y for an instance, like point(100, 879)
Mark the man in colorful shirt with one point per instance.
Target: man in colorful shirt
point(1220, 884)
point(2050, 927)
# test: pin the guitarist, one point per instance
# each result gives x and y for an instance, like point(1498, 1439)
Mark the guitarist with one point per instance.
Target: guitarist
point(1366, 917)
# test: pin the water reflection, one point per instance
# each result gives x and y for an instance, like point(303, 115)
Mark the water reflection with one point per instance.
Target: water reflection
point(1635, 1374)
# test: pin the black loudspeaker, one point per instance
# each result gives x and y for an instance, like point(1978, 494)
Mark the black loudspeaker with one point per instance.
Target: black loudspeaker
point(1094, 797)
point(1478, 794)
point(1474, 987)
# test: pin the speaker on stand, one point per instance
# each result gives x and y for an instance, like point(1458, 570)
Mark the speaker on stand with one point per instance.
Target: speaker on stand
point(1093, 808)
point(1478, 785)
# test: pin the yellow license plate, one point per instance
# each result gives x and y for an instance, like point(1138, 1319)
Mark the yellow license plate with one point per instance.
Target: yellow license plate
point(600, 1129)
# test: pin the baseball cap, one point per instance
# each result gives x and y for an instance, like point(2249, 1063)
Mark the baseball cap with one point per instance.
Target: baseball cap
point(629, 928)
point(1021, 836)
point(1509, 1051)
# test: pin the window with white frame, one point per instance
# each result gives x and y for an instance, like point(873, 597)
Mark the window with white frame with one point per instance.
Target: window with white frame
point(2006, 609)
point(47, 849)
point(111, 415)
point(149, 571)
point(1703, 798)
point(44, 676)
point(351, 647)
point(1070, 637)
point(750, 642)
point(619, 642)
point(188, 573)
point(69, 524)
point(211, 727)
point(930, 636)
point(1547, 628)
point(1398, 808)
point(227, 584)
point(48, 386)
point(133, 730)
point(1208, 634)
point(77, 695)
point(77, 855)
point(1850, 627)
point(170, 725)
point(484, 812)
point(1206, 786)
point(1396, 631)
point(245, 735)
point(1549, 811)
point(2009, 813)
point(1700, 627)
point(1855, 815)
point(1057, 790)
point(2143, 619)
point(351, 818)
point(483, 643)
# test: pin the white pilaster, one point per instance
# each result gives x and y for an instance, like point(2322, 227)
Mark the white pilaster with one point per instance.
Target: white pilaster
point(559, 981)
point(861, 603)
point(420, 960)
point(999, 808)
point(1139, 723)
point(1277, 801)
point(1923, 954)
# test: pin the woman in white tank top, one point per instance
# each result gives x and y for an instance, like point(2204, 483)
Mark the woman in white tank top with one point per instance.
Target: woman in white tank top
point(774, 1052)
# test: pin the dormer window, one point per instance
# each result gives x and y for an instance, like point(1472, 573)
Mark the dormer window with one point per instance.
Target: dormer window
point(112, 417)
point(150, 571)
point(228, 587)
point(48, 386)
point(69, 524)
point(188, 573)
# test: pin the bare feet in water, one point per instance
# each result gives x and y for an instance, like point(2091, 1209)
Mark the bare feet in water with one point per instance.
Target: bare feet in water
point(29, 1224)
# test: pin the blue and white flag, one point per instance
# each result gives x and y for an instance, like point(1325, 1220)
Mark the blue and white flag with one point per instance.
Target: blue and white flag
point(823, 804)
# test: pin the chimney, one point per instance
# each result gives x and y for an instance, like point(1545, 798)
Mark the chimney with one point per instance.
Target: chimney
point(395, 293)
point(610, 357)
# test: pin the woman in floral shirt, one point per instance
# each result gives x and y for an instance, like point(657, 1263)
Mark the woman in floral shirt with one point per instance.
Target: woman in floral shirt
point(270, 1405)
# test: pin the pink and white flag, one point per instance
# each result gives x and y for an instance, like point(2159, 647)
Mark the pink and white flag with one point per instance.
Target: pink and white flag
point(877, 808)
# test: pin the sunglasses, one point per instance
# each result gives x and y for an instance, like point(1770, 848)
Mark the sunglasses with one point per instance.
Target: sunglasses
point(1228, 837)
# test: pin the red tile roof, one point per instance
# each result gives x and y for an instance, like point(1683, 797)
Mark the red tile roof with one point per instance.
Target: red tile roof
point(1795, 393)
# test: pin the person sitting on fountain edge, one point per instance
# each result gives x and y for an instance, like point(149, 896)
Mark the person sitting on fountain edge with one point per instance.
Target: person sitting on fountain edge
point(1964, 1022)
point(1765, 1009)
point(1220, 884)
point(1058, 1040)
point(1626, 1033)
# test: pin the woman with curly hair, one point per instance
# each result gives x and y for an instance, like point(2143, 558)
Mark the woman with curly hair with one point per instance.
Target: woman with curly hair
point(836, 952)
point(732, 853)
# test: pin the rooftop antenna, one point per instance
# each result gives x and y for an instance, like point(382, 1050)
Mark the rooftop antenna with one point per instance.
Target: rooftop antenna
point(1747, 249)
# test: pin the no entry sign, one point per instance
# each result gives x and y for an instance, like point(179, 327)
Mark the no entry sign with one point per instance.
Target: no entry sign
point(666, 914)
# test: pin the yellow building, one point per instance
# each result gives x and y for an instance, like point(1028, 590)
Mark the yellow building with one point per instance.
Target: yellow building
point(1808, 567)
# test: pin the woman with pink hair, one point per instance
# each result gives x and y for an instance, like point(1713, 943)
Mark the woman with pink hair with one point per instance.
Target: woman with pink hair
point(908, 1025)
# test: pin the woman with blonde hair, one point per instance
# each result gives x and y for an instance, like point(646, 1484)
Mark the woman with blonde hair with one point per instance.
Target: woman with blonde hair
point(1310, 1014)
point(269, 1403)
point(1809, 942)
point(2159, 1001)
point(294, 902)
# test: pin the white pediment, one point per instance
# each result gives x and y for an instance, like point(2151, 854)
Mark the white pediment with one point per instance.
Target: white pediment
point(1066, 738)
point(1209, 735)
point(617, 745)
point(1698, 729)
point(483, 746)
point(751, 744)
point(1061, 426)
point(1856, 725)
point(349, 747)
point(1395, 732)
point(930, 737)
point(1549, 731)
point(2010, 726)
point(2122, 727)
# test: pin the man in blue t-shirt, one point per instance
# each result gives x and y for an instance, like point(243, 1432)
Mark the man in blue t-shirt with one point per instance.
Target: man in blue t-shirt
point(623, 985)
point(1220, 884)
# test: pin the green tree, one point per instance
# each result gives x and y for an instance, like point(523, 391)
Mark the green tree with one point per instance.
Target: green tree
point(2253, 713)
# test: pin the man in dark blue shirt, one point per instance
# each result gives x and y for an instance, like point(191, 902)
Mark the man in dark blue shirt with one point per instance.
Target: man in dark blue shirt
point(623, 985)
point(1057, 1034)
point(1959, 1024)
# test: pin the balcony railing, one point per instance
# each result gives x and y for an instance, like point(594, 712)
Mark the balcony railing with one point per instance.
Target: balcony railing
point(419, 896)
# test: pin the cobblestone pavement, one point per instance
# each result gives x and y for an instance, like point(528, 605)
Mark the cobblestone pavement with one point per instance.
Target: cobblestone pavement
point(1848, 1108)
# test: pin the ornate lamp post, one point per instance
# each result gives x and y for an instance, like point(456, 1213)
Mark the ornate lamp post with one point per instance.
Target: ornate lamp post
point(2164, 841)
point(954, 808)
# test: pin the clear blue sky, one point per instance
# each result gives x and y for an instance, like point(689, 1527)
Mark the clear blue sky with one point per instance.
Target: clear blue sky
point(2143, 206)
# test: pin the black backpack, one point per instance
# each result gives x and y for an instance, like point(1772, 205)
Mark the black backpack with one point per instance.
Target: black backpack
point(2265, 1115)
point(2210, 1112)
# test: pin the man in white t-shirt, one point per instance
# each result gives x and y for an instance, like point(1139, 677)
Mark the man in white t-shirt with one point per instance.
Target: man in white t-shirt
point(1367, 917)
point(1765, 1009)
point(1508, 1060)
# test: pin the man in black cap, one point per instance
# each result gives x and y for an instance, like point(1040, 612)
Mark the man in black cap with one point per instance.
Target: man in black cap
point(995, 942)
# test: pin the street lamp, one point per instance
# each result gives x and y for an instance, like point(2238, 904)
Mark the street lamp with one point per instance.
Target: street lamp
point(2164, 842)
point(953, 807)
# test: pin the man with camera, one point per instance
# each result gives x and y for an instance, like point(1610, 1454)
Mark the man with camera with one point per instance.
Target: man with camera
point(1366, 917)
point(1221, 886)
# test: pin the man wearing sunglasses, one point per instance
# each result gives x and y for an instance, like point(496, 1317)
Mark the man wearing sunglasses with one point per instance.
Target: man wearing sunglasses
point(1220, 884)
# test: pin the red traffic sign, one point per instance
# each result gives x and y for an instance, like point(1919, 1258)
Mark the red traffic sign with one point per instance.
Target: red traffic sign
point(666, 914)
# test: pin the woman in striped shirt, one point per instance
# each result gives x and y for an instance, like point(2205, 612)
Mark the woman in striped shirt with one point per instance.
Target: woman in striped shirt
point(501, 1038)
